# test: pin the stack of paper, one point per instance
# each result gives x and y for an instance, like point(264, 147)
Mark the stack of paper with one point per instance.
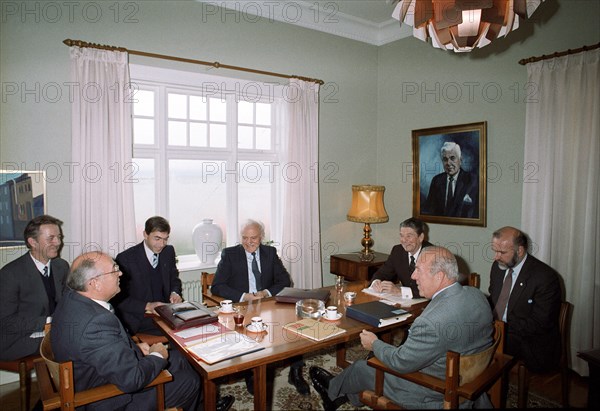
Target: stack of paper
point(224, 346)
point(394, 298)
point(315, 330)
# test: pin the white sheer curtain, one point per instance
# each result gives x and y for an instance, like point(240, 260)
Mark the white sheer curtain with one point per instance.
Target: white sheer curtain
point(102, 193)
point(561, 200)
point(301, 243)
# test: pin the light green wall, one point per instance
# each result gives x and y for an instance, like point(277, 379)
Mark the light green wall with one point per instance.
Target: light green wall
point(365, 128)
point(410, 63)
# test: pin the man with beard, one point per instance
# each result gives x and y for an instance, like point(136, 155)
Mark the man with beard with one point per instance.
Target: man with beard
point(525, 293)
point(30, 288)
point(455, 192)
point(401, 263)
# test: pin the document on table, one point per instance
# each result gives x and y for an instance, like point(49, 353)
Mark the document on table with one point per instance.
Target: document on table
point(404, 299)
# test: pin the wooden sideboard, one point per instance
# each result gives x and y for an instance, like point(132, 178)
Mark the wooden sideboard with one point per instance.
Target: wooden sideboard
point(352, 268)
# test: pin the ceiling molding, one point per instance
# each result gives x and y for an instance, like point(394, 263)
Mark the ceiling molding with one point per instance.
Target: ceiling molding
point(311, 16)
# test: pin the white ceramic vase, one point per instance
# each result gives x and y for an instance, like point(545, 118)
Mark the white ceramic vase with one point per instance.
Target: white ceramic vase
point(207, 238)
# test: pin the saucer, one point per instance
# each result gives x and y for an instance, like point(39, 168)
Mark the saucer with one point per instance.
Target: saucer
point(225, 312)
point(251, 329)
point(337, 317)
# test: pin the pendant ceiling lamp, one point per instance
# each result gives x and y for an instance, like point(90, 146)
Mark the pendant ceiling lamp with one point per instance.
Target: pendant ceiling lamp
point(462, 25)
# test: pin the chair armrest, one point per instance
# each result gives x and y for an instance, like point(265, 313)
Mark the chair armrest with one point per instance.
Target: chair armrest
point(110, 390)
point(500, 364)
point(420, 378)
point(210, 299)
point(49, 395)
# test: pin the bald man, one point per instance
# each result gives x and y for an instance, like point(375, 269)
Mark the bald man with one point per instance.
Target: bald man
point(469, 319)
point(86, 331)
point(533, 300)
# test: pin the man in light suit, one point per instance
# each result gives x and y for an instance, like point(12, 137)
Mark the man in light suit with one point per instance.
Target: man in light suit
point(401, 263)
point(534, 297)
point(251, 271)
point(465, 312)
point(150, 278)
point(455, 192)
point(85, 331)
point(30, 288)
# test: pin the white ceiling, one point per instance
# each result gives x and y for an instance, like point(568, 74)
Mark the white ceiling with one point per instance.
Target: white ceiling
point(368, 21)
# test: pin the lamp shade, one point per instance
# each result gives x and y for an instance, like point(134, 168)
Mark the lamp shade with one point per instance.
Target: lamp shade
point(367, 205)
point(462, 25)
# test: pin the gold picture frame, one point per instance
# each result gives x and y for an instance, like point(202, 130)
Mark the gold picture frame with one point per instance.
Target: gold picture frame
point(465, 204)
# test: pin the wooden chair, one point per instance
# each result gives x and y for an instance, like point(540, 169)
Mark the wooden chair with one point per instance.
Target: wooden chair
point(207, 297)
point(467, 376)
point(57, 388)
point(475, 280)
point(23, 366)
point(564, 325)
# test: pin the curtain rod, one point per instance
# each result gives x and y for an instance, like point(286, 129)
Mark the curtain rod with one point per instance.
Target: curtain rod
point(558, 54)
point(216, 64)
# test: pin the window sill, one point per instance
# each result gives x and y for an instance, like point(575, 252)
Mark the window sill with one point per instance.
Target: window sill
point(192, 263)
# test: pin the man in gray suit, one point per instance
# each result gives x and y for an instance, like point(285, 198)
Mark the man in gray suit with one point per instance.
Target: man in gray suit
point(457, 318)
point(30, 288)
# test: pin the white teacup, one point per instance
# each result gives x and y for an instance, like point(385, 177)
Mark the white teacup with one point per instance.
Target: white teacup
point(227, 306)
point(331, 312)
point(256, 324)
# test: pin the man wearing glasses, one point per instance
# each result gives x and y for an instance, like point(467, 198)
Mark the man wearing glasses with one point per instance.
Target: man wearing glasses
point(85, 331)
point(30, 288)
point(150, 278)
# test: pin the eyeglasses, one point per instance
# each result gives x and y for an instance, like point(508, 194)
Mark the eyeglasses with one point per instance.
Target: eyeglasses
point(115, 270)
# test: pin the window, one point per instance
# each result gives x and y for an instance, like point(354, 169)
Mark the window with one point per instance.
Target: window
point(204, 147)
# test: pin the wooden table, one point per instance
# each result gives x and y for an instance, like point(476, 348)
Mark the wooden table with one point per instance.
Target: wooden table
point(353, 269)
point(280, 344)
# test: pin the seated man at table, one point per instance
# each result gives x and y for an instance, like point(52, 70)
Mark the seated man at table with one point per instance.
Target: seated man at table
point(150, 278)
point(400, 265)
point(469, 329)
point(251, 271)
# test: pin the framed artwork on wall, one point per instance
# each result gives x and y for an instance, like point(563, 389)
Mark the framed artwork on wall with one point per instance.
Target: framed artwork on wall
point(22, 197)
point(449, 174)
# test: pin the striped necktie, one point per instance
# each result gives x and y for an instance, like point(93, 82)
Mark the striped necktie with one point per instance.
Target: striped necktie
point(154, 260)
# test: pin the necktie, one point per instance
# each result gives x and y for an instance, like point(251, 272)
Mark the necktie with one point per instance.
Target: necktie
point(111, 308)
point(411, 266)
point(45, 273)
point(154, 260)
point(503, 298)
point(450, 194)
point(256, 272)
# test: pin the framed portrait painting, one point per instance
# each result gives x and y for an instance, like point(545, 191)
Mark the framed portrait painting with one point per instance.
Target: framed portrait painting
point(23, 196)
point(449, 174)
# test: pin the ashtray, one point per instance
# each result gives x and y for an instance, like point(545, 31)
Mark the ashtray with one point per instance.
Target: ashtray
point(310, 308)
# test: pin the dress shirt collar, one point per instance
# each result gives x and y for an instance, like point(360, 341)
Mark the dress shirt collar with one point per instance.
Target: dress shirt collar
point(104, 304)
point(39, 265)
point(149, 253)
point(434, 295)
point(416, 255)
point(455, 176)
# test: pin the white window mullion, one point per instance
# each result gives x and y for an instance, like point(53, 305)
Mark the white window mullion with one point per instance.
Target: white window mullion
point(231, 186)
point(162, 168)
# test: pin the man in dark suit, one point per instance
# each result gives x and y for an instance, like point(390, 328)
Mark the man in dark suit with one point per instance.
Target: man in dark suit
point(525, 293)
point(85, 331)
point(455, 192)
point(251, 271)
point(30, 288)
point(150, 278)
point(463, 309)
point(400, 265)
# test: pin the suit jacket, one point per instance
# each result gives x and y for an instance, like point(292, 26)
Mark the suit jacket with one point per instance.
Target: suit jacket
point(136, 290)
point(102, 353)
point(231, 277)
point(532, 313)
point(458, 319)
point(466, 184)
point(395, 269)
point(24, 304)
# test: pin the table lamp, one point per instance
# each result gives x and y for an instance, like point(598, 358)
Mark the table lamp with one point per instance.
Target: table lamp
point(367, 207)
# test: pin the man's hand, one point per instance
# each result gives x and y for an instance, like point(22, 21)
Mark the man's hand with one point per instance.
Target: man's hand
point(161, 349)
point(385, 287)
point(144, 347)
point(367, 338)
point(152, 305)
point(175, 298)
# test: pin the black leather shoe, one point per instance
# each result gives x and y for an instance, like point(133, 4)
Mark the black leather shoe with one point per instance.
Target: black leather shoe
point(250, 383)
point(320, 379)
point(225, 403)
point(297, 380)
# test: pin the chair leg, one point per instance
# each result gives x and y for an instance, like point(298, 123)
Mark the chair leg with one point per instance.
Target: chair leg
point(564, 387)
point(523, 387)
point(24, 385)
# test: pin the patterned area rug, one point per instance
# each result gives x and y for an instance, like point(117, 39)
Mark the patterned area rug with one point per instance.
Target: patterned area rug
point(286, 397)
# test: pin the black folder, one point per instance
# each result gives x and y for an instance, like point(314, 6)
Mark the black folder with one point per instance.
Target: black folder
point(376, 313)
point(185, 315)
point(293, 295)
